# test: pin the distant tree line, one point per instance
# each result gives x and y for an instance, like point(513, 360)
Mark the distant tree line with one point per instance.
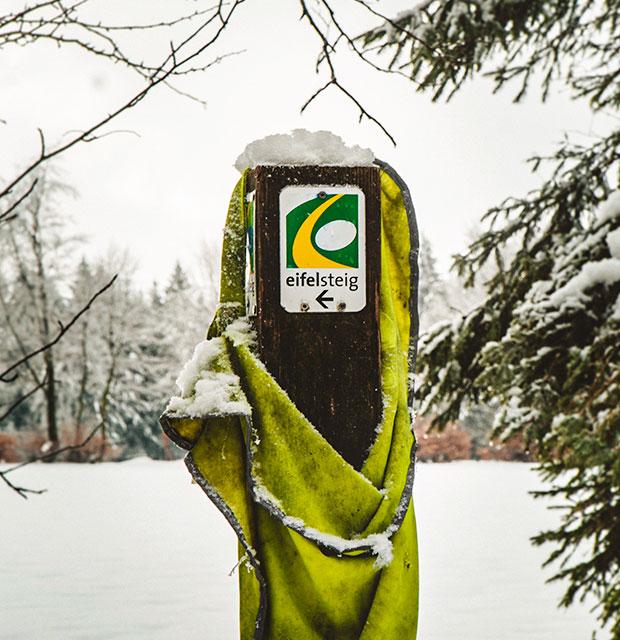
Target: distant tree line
point(115, 368)
point(42, 320)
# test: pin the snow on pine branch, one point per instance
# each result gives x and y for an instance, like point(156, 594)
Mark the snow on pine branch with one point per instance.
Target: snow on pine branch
point(610, 208)
point(601, 272)
point(580, 265)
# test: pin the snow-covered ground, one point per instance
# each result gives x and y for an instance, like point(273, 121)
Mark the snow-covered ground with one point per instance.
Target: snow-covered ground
point(133, 550)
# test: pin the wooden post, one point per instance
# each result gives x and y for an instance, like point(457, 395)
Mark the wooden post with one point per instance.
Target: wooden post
point(316, 308)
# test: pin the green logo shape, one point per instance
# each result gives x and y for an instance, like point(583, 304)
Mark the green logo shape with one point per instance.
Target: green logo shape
point(341, 213)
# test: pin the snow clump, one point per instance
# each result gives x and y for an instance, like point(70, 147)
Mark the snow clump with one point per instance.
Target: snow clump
point(610, 208)
point(379, 544)
point(605, 271)
point(207, 388)
point(302, 147)
point(613, 242)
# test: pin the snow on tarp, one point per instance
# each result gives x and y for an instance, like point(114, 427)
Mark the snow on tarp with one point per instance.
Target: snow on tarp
point(207, 386)
point(301, 147)
point(379, 543)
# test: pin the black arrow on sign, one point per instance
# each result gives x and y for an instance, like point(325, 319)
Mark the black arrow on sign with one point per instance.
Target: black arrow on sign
point(321, 299)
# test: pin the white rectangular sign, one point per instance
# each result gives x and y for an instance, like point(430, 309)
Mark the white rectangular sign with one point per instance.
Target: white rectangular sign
point(322, 249)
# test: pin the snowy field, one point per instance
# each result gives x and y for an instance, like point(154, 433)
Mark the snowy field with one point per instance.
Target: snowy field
point(133, 550)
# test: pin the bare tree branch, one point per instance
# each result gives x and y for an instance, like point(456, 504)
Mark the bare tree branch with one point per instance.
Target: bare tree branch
point(16, 404)
point(6, 216)
point(66, 27)
point(23, 491)
point(397, 27)
point(177, 62)
point(323, 24)
point(60, 21)
point(328, 49)
point(351, 41)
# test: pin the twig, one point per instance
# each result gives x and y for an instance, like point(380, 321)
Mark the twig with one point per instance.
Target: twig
point(406, 32)
point(327, 51)
point(105, 135)
point(24, 397)
point(63, 330)
point(351, 41)
point(173, 64)
point(23, 491)
point(6, 217)
point(243, 559)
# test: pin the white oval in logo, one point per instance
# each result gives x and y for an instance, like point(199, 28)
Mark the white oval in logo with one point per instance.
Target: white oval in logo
point(335, 235)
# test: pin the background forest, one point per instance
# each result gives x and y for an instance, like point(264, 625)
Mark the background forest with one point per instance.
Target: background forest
point(113, 370)
point(115, 366)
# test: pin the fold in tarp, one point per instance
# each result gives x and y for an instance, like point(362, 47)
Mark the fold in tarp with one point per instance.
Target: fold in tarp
point(326, 551)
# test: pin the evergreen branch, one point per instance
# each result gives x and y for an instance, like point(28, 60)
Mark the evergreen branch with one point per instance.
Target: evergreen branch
point(447, 42)
point(404, 31)
point(601, 385)
point(351, 41)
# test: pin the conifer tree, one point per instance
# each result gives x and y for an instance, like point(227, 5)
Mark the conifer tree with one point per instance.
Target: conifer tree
point(432, 292)
point(80, 364)
point(178, 282)
point(545, 343)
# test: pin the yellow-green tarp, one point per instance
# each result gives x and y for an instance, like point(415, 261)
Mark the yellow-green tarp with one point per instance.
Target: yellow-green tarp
point(326, 551)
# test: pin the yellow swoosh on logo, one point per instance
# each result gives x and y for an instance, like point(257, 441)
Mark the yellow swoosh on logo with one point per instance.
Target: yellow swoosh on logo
point(304, 254)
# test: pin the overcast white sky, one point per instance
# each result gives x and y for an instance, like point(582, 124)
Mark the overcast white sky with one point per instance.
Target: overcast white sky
point(162, 187)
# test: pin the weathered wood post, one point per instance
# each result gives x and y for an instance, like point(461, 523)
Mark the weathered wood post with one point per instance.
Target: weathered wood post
point(313, 294)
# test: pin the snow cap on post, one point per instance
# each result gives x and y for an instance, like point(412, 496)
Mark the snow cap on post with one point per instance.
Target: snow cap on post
point(301, 147)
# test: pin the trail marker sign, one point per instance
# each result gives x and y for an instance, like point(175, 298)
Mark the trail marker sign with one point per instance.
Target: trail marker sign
point(322, 249)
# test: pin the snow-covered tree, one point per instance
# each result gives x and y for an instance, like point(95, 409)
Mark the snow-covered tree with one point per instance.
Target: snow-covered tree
point(433, 304)
point(178, 284)
point(145, 344)
point(77, 368)
point(443, 298)
point(545, 342)
point(33, 250)
point(116, 367)
point(187, 311)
